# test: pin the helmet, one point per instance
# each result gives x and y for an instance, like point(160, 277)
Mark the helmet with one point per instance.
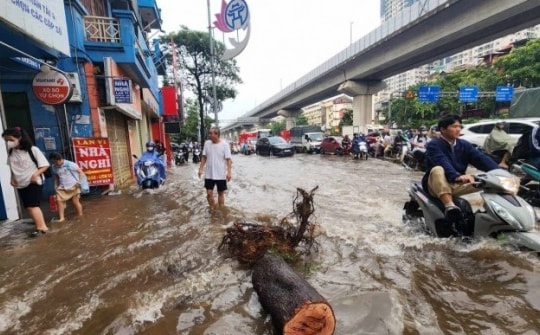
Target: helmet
point(423, 128)
point(150, 144)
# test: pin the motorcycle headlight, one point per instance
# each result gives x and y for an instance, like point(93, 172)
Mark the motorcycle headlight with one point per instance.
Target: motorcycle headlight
point(510, 184)
point(504, 214)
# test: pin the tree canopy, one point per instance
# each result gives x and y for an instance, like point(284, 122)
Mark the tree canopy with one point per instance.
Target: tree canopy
point(196, 65)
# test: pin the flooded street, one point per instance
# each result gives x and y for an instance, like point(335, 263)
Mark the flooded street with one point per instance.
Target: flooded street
point(148, 262)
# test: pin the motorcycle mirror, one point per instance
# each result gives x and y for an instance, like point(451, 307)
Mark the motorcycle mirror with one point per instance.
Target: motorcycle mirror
point(135, 156)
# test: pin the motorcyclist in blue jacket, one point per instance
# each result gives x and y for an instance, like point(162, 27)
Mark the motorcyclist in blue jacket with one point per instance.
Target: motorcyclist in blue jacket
point(447, 158)
point(151, 154)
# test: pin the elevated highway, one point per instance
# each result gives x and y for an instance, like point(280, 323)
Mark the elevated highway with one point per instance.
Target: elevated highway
point(430, 30)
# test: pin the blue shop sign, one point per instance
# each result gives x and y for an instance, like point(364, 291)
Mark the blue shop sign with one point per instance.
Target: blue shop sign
point(122, 91)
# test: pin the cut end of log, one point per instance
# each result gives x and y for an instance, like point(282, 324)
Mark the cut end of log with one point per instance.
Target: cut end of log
point(311, 319)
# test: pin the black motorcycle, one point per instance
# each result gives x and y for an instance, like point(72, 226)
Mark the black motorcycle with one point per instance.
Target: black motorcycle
point(179, 157)
point(196, 155)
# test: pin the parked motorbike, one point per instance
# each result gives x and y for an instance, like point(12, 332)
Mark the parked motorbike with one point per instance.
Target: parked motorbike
point(504, 215)
point(529, 188)
point(415, 160)
point(196, 155)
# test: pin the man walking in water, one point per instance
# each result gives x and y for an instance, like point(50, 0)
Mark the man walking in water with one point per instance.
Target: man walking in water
point(217, 153)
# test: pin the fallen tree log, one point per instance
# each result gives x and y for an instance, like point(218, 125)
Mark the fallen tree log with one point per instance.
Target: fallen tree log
point(295, 306)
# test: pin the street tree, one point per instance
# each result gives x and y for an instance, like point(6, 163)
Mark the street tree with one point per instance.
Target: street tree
point(190, 126)
point(301, 120)
point(200, 73)
point(278, 126)
point(521, 67)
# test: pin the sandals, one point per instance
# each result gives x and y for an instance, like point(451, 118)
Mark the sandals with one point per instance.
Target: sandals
point(37, 233)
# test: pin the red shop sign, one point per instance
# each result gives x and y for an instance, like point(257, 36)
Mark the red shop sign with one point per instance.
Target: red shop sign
point(51, 87)
point(93, 155)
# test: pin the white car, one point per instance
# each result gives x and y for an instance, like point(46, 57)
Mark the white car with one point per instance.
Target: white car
point(476, 133)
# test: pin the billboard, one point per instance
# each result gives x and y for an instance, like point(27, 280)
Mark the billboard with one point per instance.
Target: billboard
point(44, 21)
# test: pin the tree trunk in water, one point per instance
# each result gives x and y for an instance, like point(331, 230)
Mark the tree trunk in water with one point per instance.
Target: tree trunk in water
point(295, 306)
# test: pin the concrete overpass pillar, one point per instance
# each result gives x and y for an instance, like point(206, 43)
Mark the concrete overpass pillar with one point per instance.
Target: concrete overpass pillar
point(362, 92)
point(290, 116)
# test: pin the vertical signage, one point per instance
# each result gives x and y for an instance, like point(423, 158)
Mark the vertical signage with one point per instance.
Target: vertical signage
point(122, 91)
point(93, 155)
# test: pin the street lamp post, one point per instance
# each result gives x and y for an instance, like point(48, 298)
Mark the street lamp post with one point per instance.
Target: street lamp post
point(213, 74)
point(350, 32)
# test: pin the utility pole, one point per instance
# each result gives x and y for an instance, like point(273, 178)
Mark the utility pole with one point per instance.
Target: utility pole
point(390, 111)
point(350, 32)
point(212, 69)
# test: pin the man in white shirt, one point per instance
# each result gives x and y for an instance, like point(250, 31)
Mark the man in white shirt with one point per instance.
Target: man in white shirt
point(217, 153)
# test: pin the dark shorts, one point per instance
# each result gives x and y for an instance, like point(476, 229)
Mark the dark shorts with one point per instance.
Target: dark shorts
point(30, 195)
point(210, 183)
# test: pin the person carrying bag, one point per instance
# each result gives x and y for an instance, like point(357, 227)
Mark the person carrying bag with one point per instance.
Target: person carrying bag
point(69, 182)
point(27, 164)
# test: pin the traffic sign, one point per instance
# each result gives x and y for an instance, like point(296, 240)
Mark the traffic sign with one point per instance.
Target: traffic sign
point(409, 95)
point(429, 93)
point(504, 93)
point(468, 93)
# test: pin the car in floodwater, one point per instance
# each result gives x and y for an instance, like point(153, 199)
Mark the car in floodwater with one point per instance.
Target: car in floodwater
point(273, 146)
point(332, 145)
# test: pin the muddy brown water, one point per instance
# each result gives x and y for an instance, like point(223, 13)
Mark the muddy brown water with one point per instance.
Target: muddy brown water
point(148, 262)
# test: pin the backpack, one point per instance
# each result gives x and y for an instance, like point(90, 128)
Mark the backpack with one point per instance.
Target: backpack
point(47, 173)
point(523, 148)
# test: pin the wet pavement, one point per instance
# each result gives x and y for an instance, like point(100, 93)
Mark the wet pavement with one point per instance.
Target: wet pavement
point(147, 262)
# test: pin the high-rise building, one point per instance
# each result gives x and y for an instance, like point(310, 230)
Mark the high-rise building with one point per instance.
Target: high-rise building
point(390, 8)
point(468, 58)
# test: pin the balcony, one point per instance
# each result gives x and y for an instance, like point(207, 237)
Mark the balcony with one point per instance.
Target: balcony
point(150, 14)
point(118, 37)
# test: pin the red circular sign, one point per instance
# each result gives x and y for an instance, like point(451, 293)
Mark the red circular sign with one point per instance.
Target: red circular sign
point(51, 87)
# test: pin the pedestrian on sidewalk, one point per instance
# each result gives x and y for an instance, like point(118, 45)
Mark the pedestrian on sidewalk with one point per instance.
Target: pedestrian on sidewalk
point(67, 184)
point(216, 162)
point(27, 164)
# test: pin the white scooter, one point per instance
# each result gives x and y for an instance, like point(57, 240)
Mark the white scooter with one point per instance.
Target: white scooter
point(503, 215)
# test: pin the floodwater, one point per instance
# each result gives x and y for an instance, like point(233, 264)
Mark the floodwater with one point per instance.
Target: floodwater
point(148, 262)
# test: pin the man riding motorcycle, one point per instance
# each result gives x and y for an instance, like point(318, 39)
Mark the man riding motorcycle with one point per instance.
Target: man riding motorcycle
point(419, 143)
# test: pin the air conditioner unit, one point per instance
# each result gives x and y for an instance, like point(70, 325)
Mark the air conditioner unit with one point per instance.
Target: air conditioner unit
point(76, 96)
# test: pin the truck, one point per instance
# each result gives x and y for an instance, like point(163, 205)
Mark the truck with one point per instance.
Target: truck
point(306, 138)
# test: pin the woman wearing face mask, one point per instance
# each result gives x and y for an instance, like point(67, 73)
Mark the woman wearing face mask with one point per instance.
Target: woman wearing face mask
point(26, 176)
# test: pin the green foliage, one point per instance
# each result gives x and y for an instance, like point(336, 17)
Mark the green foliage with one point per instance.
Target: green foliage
point(347, 119)
point(196, 66)
point(278, 126)
point(301, 120)
point(521, 67)
point(190, 126)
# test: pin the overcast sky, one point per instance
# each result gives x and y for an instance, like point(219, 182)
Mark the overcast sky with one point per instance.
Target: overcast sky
point(288, 39)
